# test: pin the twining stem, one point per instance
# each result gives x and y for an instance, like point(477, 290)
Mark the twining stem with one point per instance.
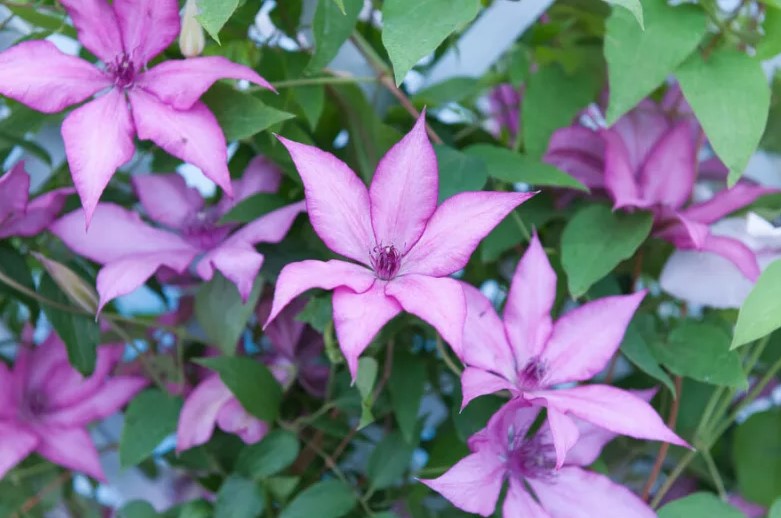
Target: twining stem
point(714, 473)
point(330, 80)
point(521, 225)
point(385, 76)
point(36, 499)
point(446, 358)
point(671, 420)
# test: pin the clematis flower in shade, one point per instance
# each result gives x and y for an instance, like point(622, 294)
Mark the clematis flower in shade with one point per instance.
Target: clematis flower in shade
point(160, 104)
point(404, 245)
point(648, 160)
point(212, 404)
point(529, 354)
point(505, 108)
point(20, 216)
point(503, 449)
point(45, 405)
point(297, 348)
point(132, 251)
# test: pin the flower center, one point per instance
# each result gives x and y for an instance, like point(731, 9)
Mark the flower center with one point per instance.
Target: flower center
point(35, 404)
point(123, 70)
point(530, 458)
point(386, 261)
point(203, 231)
point(532, 375)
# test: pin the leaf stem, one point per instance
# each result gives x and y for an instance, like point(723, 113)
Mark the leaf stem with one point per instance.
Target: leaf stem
point(663, 449)
point(331, 80)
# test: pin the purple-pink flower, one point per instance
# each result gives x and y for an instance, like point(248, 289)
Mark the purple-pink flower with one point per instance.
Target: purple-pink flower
point(648, 160)
point(504, 449)
point(160, 104)
point(20, 216)
point(404, 245)
point(132, 251)
point(46, 405)
point(529, 354)
point(212, 404)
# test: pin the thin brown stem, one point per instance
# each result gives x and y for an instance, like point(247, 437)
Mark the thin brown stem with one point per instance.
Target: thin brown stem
point(36, 499)
point(671, 420)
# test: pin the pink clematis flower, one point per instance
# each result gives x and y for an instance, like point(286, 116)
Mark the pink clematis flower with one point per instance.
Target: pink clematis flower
point(405, 245)
point(505, 108)
point(45, 405)
point(212, 404)
point(132, 251)
point(647, 160)
point(504, 450)
point(160, 104)
point(20, 216)
point(297, 348)
point(529, 354)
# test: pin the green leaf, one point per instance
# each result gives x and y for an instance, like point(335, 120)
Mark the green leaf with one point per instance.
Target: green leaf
point(251, 382)
point(274, 453)
point(638, 61)
point(340, 4)
point(551, 102)
point(412, 29)
point(317, 313)
point(509, 166)
point(760, 313)
point(332, 25)
point(80, 332)
point(452, 90)
point(328, 499)
point(595, 240)
point(633, 6)
point(13, 266)
point(282, 487)
point(150, 418)
point(458, 172)
point(221, 313)
point(770, 45)
point(406, 386)
point(699, 505)
point(701, 351)
point(239, 498)
point(731, 98)
point(251, 208)
point(241, 115)
point(756, 453)
point(367, 375)
point(635, 347)
point(311, 99)
point(389, 460)
point(775, 510)
point(213, 14)
point(137, 509)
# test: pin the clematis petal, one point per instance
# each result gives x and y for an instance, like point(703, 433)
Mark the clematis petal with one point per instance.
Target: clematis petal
point(181, 82)
point(232, 418)
point(129, 273)
point(736, 252)
point(112, 395)
point(71, 448)
point(16, 443)
point(565, 434)
point(65, 386)
point(591, 440)
point(476, 382)
point(440, 251)
point(115, 233)
point(520, 504)
point(485, 345)
point(616, 410)
point(404, 190)
point(199, 413)
point(527, 320)
point(472, 484)
point(270, 228)
point(576, 493)
point(640, 130)
point(105, 120)
point(336, 200)
point(580, 152)
point(261, 175)
point(296, 278)
point(584, 340)
point(358, 317)
point(40, 213)
point(166, 198)
point(147, 26)
point(438, 301)
point(239, 263)
point(14, 190)
point(192, 135)
point(668, 173)
point(725, 202)
point(683, 232)
point(6, 394)
point(97, 27)
point(620, 179)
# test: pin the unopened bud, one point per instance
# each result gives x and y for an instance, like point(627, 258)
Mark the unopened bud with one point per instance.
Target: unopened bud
point(77, 290)
point(191, 38)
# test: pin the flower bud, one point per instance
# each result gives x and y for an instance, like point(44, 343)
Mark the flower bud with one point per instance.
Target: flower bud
point(191, 38)
point(77, 290)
